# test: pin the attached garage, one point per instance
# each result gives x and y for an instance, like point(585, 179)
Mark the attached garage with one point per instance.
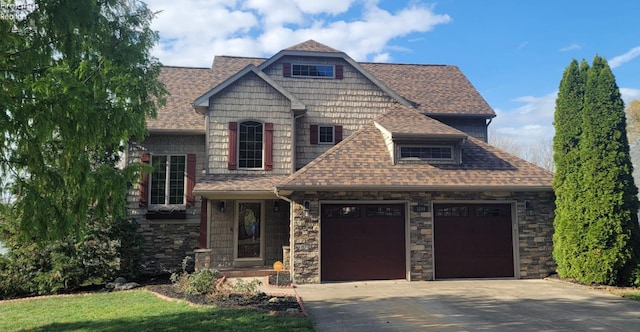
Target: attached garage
point(362, 242)
point(473, 241)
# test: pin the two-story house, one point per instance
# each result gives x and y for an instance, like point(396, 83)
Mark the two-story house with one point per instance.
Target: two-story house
point(344, 170)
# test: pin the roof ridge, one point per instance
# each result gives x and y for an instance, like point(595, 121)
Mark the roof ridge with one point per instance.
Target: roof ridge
point(406, 64)
point(184, 67)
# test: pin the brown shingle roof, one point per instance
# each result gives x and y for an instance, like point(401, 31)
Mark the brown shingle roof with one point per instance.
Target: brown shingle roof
point(237, 183)
point(403, 121)
point(434, 89)
point(184, 86)
point(362, 161)
point(312, 46)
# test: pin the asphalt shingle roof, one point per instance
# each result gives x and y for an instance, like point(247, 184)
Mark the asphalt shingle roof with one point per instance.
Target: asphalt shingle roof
point(184, 86)
point(237, 182)
point(406, 122)
point(433, 89)
point(362, 161)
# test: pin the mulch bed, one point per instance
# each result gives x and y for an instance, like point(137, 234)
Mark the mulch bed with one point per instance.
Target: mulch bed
point(261, 301)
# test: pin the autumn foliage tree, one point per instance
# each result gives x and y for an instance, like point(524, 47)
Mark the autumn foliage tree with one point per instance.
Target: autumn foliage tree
point(597, 237)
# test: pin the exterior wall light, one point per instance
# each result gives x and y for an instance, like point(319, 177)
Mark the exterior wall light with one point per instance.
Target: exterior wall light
point(276, 206)
point(221, 206)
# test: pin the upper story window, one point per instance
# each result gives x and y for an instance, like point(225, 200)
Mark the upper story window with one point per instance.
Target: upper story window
point(167, 185)
point(426, 152)
point(325, 134)
point(250, 144)
point(313, 71)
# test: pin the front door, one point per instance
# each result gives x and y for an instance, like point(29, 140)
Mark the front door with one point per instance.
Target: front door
point(249, 234)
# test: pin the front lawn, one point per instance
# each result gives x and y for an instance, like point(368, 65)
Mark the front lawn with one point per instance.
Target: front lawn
point(138, 311)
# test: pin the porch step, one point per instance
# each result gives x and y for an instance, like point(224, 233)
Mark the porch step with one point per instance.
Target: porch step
point(239, 272)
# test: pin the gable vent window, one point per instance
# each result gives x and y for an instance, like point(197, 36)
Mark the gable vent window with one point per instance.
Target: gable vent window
point(426, 152)
point(314, 71)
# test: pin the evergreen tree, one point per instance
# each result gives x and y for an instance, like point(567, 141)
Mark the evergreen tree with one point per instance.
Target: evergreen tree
point(567, 122)
point(597, 237)
point(77, 83)
point(609, 249)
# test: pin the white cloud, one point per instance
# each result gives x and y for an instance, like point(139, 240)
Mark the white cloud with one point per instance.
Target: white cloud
point(571, 47)
point(628, 94)
point(528, 124)
point(325, 6)
point(192, 32)
point(619, 60)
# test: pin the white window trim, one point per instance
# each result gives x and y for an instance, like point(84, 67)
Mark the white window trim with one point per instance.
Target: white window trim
point(314, 64)
point(166, 206)
point(238, 146)
point(333, 134)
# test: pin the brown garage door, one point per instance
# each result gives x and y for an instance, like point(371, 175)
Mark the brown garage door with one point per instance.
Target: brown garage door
point(472, 241)
point(362, 242)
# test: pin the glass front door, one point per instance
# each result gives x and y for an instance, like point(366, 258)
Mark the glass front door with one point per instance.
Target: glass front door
point(249, 233)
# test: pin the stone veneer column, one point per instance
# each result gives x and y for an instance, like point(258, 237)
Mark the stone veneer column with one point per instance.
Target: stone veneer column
point(305, 266)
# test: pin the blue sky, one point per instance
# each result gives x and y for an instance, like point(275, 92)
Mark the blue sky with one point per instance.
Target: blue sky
point(513, 52)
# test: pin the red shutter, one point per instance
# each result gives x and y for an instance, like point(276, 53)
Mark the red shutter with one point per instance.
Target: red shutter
point(338, 133)
point(202, 240)
point(145, 158)
point(268, 146)
point(339, 71)
point(232, 161)
point(191, 178)
point(314, 134)
point(286, 69)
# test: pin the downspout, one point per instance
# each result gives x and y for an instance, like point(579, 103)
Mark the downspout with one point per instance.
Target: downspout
point(486, 130)
point(293, 149)
point(291, 239)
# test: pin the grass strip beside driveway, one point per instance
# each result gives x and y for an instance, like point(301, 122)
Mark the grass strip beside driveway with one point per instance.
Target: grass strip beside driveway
point(136, 310)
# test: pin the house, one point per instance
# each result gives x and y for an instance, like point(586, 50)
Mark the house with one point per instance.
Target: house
point(343, 170)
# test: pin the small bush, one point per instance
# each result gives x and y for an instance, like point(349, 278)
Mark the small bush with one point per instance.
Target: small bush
point(197, 283)
point(247, 289)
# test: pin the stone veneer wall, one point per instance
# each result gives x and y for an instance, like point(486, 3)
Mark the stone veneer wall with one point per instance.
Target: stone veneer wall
point(535, 231)
point(166, 242)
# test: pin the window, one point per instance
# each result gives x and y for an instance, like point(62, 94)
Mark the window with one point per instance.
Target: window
point(250, 144)
point(312, 71)
point(426, 152)
point(325, 135)
point(168, 180)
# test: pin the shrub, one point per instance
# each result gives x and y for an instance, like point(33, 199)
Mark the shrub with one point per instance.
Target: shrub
point(196, 283)
point(108, 249)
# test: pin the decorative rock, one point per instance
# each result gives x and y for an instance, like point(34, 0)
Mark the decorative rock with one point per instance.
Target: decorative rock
point(292, 310)
point(120, 280)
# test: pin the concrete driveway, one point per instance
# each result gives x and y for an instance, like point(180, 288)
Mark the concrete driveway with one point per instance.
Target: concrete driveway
point(467, 305)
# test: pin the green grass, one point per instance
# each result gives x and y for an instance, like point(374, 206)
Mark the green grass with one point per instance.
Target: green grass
point(138, 311)
point(632, 295)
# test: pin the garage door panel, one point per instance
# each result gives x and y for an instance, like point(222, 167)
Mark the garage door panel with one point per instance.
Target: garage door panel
point(362, 242)
point(473, 241)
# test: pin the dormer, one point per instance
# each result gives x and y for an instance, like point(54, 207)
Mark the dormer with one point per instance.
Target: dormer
point(412, 137)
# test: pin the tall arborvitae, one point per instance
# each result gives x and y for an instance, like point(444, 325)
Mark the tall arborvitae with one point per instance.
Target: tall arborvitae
point(597, 237)
point(567, 122)
point(608, 249)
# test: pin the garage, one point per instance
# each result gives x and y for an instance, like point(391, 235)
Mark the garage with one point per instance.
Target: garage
point(473, 241)
point(362, 242)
